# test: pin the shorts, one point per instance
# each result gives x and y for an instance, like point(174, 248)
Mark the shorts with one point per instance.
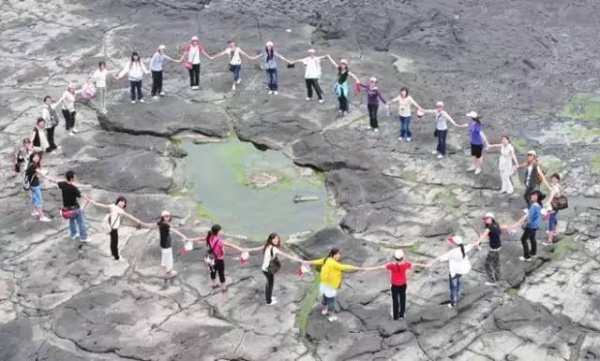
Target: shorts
point(476, 150)
point(327, 291)
point(552, 221)
point(36, 197)
point(166, 259)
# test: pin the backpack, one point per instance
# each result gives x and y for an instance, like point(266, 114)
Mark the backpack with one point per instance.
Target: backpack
point(274, 263)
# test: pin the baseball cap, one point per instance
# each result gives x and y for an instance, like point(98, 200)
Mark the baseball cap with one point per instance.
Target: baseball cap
point(488, 215)
point(472, 114)
point(532, 152)
point(165, 214)
point(399, 254)
point(439, 104)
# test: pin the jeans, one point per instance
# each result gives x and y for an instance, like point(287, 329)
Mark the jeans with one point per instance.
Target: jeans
point(527, 195)
point(69, 119)
point(219, 268)
point(195, 75)
point(492, 266)
point(405, 127)
point(77, 223)
point(313, 83)
point(343, 103)
point(398, 298)
point(35, 193)
point(114, 243)
point(269, 287)
point(101, 99)
point(50, 137)
point(235, 69)
point(272, 79)
point(552, 221)
point(136, 87)
point(157, 82)
point(454, 288)
point(329, 302)
point(372, 108)
point(529, 234)
point(441, 146)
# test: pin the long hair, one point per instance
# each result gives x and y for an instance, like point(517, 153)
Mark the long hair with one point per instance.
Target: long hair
point(332, 253)
point(269, 241)
point(214, 230)
point(477, 120)
point(270, 53)
point(462, 250)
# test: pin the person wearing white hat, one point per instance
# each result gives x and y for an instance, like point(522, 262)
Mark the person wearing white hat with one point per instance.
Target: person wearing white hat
point(341, 86)
point(271, 264)
point(493, 232)
point(458, 265)
point(477, 140)
point(534, 175)
point(405, 103)
point(51, 120)
point(312, 74)
point(507, 163)
point(270, 56)
point(68, 108)
point(156, 67)
point(441, 128)
point(398, 268)
point(192, 53)
point(166, 250)
point(373, 98)
point(235, 61)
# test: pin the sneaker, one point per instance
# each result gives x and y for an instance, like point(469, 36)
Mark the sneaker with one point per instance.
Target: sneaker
point(239, 81)
point(273, 303)
point(324, 312)
point(344, 113)
point(270, 92)
point(142, 101)
point(409, 139)
point(440, 156)
point(490, 283)
point(162, 94)
point(478, 170)
point(275, 92)
point(74, 130)
point(273, 298)
point(233, 87)
point(173, 273)
point(133, 102)
point(434, 152)
point(155, 97)
point(376, 130)
point(321, 100)
point(546, 243)
point(451, 305)
point(35, 214)
point(71, 133)
point(471, 168)
point(332, 318)
point(81, 240)
point(44, 219)
point(195, 87)
point(75, 237)
point(401, 139)
point(308, 99)
point(525, 259)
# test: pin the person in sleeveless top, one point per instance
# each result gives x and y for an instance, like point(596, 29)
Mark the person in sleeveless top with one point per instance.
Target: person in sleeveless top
point(507, 163)
point(235, 61)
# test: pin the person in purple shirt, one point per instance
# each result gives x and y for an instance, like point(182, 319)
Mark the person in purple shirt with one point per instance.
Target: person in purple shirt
point(478, 140)
point(373, 98)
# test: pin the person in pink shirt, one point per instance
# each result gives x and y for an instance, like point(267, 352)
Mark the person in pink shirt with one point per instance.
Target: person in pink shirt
point(215, 258)
point(398, 268)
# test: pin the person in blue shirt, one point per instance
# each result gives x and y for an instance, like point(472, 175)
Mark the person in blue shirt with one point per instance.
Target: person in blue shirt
point(532, 221)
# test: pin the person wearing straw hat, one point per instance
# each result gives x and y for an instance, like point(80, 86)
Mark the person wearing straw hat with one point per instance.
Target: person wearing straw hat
point(270, 56)
point(398, 268)
point(312, 74)
point(441, 128)
point(341, 86)
point(156, 68)
point(532, 176)
point(477, 140)
point(493, 232)
point(373, 98)
point(193, 51)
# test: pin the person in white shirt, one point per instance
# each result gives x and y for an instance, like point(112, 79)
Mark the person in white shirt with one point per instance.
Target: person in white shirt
point(312, 74)
point(135, 69)
point(51, 118)
point(441, 129)
point(555, 191)
point(68, 108)
point(405, 102)
point(116, 212)
point(193, 51)
point(99, 79)
point(458, 265)
point(235, 61)
point(271, 264)
point(507, 163)
point(156, 67)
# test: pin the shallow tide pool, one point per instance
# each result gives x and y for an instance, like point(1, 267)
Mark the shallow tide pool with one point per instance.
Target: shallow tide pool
point(251, 192)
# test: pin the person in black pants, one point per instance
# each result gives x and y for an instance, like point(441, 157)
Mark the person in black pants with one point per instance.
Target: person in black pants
point(341, 86)
point(112, 222)
point(373, 98)
point(533, 219)
point(51, 118)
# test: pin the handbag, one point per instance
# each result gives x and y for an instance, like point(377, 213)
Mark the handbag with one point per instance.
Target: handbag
point(559, 203)
point(67, 213)
point(435, 133)
point(107, 225)
point(274, 264)
point(188, 65)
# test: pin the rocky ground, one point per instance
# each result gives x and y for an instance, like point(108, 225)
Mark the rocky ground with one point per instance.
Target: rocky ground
point(529, 67)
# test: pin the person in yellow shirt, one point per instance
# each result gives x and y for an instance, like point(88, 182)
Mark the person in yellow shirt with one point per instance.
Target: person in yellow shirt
point(331, 279)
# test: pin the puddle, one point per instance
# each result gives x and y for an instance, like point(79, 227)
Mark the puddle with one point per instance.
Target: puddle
point(252, 192)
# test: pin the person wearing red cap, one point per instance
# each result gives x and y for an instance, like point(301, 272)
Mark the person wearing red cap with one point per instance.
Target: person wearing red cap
point(193, 51)
point(493, 232)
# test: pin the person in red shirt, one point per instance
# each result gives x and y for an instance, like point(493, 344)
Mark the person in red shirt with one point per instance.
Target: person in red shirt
point(398, 268)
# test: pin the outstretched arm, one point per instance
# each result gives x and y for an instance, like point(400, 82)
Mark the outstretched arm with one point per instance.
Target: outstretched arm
point(375, 268)
point(332, 61)
point(244, 54)
point(234, 246)
point(98, 204)
point(132, 218)
point(483, 235)
point(290, 256)
point(177, 232)
point(356, 79)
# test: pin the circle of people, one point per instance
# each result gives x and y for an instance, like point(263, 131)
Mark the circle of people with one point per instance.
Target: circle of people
point(41, 140)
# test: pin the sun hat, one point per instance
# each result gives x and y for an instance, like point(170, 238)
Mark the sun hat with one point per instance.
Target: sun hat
point(374, 79)
point(269, 43)
point(194, 38)
point(399, 254)
point(161, 47)
point(439, 104)
point(488, 215)
point(311, 50)
point(472, 114)
point(343, 61)
point(532, 152)
point(165, 214)
point(72, 86)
